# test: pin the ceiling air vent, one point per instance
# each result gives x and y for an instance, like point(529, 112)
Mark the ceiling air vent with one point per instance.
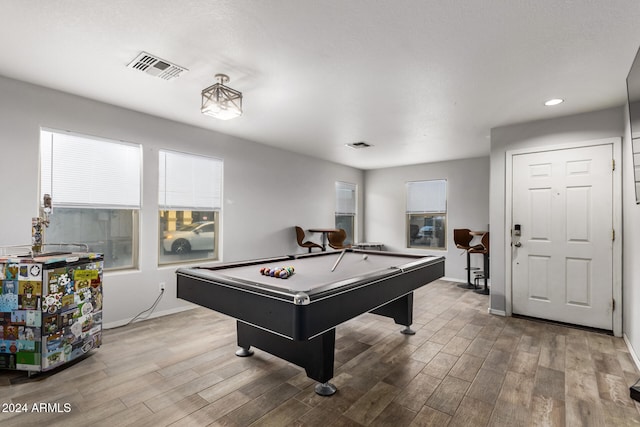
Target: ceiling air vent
point(357, 145)
point(155, 66)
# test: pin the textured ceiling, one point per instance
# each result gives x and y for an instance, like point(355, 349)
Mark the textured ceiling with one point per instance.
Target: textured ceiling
point(421, 81)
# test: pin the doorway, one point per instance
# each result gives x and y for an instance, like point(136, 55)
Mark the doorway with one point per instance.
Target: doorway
point(563, 252)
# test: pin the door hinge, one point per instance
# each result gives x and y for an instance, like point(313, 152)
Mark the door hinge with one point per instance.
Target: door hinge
point(613, 304)
point(613, 164)
point(613, 234)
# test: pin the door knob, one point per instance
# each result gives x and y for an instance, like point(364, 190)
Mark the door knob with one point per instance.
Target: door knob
point(517, 244)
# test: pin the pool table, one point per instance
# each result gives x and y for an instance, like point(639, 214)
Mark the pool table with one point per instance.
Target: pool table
point(295, 318)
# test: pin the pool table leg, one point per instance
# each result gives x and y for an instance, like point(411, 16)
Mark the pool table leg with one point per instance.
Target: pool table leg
point(244, 352)
point(315, 355)
point(400, 310)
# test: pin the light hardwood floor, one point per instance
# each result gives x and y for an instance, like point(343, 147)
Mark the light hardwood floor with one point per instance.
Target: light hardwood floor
point(464, 367)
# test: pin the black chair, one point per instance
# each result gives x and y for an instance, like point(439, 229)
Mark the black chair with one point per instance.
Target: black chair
point(462, 238)
point(337, 238)
point(308, 244)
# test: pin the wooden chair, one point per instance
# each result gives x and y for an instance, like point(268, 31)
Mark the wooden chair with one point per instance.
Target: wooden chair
point(337, 238)
point(462, 238)
point(308, 244)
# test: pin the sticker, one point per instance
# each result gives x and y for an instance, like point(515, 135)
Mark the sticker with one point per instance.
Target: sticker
point(26, 345)
point(8, 302)
point(10, 333)
point(88, 345)
point(87, 308)
point(28, 302)
point(7, 361)
point(67, 300)
point(83, 295)
point(53, 359)
point(11, 272)
point(97, 299)
point(26, 333)
point(52, 303)
point(55, 277)
point(76, 329)
point(87, 323)
point(50, 324)
point(35, 272)
point(10, 287)
point(34, 318)
point(85, 276)
point(54, 342)
point(68, 318)
point(30, 287)
point(18, 317)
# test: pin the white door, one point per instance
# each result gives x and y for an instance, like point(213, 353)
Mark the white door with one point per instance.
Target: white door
point(562, 263)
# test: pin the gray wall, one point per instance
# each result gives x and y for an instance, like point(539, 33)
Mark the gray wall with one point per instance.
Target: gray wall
point(578, 128)
point(630, 249)
point(467, 206)
point(266, 190)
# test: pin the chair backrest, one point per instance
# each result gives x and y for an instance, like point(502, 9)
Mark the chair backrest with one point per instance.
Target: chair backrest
point(485, 241)
point(337, 238)
point(462, 237)
point(299, 235)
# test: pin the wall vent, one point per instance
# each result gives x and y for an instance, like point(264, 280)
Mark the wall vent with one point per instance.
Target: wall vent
point(155, 66)
point(358, 145)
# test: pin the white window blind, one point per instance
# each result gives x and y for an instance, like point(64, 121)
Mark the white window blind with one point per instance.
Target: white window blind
point(189, 182)
point(82, 171)
point(427, 196)
point(345, 198)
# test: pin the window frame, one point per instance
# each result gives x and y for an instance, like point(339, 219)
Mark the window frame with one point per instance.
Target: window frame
point(181, 209)
point(47, 184)
point(416, 193)
point(344, 211)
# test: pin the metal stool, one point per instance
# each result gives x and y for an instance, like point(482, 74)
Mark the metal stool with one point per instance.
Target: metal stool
point(462, 239)
point(484, 250)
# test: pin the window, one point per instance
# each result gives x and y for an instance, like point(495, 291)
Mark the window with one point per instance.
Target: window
point(346, 209)
point(190, 197)
point(95, 189)
point(427, 214)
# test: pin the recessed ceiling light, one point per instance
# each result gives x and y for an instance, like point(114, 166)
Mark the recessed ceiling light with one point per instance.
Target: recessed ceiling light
point(554, 101)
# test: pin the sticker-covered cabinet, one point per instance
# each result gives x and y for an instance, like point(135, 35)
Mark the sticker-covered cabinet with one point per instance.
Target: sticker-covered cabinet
point(50, 309)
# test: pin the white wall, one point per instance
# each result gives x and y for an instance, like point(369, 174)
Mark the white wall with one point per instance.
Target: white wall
point(570, 129)
point(266, 190)
point(630, 249)
point(467, 206)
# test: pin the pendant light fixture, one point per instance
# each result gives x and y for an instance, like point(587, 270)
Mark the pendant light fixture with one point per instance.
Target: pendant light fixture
point(220, 101)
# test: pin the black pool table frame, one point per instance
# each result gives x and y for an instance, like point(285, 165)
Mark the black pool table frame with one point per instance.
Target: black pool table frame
point(300, 327)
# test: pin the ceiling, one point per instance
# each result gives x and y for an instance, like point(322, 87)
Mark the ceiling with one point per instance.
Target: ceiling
point(419, 80)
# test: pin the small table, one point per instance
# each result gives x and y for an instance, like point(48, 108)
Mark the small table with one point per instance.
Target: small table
point(295, 318)
point(325, 232)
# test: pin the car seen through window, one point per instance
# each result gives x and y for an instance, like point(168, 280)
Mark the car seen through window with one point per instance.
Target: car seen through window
point(198, 236)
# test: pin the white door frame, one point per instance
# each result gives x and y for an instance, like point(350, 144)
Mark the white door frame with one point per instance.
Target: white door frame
point(617, 220)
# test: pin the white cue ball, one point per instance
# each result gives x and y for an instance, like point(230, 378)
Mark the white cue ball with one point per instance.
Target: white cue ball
point(365, 256)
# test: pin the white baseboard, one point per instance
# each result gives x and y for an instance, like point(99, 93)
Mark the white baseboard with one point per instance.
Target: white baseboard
point(497, 312)
point(633, 354)
point(119, 323)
